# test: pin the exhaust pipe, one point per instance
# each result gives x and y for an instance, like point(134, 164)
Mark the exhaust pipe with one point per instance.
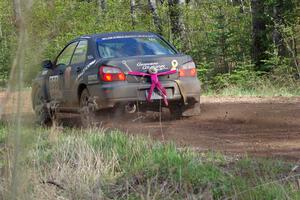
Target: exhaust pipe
point(130, 108)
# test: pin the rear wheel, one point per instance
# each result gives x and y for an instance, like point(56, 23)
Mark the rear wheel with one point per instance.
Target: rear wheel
point(87, 114)
point(43, 116)
point(176, 110)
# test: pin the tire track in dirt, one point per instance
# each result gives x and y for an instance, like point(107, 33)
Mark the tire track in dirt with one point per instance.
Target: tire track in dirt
point(257, 126)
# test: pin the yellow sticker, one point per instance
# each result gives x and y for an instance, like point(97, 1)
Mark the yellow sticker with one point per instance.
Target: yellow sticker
point(174, 64)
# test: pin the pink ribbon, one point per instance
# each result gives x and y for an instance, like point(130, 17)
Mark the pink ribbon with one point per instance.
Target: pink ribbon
point(155, 83)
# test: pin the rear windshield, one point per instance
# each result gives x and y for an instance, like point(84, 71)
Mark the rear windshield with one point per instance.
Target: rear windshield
point(126, 46)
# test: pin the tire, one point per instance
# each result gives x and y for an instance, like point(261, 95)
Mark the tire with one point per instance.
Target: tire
point(179, 110)
point(176, 111)
point(43, 116)
point(87, 114)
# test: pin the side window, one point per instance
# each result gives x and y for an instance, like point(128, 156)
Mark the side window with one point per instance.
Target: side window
point(80, 52)
point(65, 57)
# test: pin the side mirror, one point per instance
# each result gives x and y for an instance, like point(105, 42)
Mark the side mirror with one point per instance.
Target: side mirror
point(47, 64)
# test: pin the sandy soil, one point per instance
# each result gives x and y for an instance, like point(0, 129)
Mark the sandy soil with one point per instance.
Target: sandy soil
point(268, 127)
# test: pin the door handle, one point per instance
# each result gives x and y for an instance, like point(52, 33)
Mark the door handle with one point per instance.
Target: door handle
point(78, 69)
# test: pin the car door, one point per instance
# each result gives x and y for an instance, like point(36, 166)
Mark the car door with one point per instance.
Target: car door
point(76, 67)
point(57, 89)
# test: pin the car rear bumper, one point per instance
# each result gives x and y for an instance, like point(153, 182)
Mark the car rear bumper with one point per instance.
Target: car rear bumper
point(110, 94)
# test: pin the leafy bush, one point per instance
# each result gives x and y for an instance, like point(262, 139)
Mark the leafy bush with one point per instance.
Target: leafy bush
point(218, 35)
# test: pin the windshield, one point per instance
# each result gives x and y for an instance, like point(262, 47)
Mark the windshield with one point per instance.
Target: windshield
point(116, 47)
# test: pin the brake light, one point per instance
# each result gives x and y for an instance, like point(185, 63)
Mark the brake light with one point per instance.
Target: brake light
point(181, 72)
point(188, 70)
point(193, 72)
point(109, 74)
point(121, 76)
point(107, 77)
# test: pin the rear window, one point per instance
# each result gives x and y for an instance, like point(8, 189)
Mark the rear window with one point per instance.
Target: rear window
point(126, 46)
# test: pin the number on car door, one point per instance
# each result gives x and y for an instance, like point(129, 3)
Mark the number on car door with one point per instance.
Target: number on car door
point(56, 80)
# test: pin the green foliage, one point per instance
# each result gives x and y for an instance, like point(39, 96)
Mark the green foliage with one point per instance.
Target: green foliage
point(7, 40)
point(3, 133)
point(218, 35)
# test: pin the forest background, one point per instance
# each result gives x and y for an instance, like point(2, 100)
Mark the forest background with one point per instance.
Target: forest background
point(241, 47)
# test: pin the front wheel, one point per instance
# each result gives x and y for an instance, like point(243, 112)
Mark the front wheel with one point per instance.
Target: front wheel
point(43, 116)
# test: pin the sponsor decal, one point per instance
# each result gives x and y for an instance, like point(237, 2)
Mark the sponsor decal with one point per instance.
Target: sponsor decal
point(125, 64)
point(44, 72)
point(90, 57)
point(85, 69)
point(147, 66)
point(53, 78)
point(92, 78)
point(54, 87)
point(127, 36)
point(174, 64)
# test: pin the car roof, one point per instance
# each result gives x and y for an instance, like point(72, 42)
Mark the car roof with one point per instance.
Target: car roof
point(115, 34)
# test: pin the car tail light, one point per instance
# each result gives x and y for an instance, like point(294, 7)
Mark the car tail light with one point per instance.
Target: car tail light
point(188, 70)
point(109, 74)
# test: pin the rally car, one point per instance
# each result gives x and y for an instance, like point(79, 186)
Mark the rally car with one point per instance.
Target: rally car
point(113, 71)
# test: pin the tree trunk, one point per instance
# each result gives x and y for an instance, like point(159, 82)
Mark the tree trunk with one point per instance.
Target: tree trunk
point(239, 3)
point(277, 37)
point(133, 13)
point(102, 5)
point(259, 38)
point(156, 18)
point(176, 18)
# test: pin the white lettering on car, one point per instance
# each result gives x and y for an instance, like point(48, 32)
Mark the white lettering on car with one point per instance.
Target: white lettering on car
point(128, 36)
point(85, 69)
point(92, 78)
point(147, 66)
point(44, 72)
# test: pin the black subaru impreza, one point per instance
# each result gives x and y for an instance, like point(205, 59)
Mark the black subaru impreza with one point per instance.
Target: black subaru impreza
point(121, 70)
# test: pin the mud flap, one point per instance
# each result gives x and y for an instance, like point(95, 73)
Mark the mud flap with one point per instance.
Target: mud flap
point(189, 110)
point(181, 92)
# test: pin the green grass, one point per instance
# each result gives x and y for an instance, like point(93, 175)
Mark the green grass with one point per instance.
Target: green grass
point(263, 91)
point(99, 164)
point(262, 86)
point(3, 136)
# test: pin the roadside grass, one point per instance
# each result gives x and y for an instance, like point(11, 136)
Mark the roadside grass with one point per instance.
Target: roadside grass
point(262, 91)
point(108, 164)
point(260, 87)
point(3, 136)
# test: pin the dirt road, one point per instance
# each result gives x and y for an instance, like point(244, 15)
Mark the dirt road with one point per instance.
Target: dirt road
point(254, 126)
point(268, 127)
